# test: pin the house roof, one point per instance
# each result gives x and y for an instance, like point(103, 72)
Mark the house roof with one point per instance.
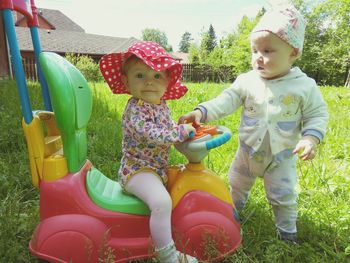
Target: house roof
point(183, 57)
point(68, 37)
point(59, 20)
point(72, 42)
point(55, 18)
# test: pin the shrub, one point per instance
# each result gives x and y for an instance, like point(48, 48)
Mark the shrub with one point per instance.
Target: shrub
point(87, 66)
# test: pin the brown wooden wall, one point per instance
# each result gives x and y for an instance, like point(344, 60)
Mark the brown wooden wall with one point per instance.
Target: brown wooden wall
point(22, 22)
point(4, 61)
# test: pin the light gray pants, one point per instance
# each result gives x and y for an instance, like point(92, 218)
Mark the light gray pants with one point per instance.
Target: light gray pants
point(279, 180)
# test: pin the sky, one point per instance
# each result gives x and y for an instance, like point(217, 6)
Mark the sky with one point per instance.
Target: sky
point(127, 18)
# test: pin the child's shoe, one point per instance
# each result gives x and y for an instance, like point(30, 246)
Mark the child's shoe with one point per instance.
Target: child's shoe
point(290, 238)
point(182, 258)
point(169, 254)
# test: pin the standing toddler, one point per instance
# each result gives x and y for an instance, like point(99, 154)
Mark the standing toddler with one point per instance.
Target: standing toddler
point(283, 114)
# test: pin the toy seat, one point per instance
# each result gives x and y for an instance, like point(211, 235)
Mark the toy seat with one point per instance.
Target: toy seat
point(108, 194)
point(72, 103)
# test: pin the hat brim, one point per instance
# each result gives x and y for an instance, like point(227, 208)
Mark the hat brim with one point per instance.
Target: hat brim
point(111, 66)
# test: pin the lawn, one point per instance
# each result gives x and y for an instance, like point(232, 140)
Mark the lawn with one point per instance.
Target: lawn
point(324, 183)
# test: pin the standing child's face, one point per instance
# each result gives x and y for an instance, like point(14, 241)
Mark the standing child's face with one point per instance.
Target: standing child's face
point(271, 56)
point(145, 83)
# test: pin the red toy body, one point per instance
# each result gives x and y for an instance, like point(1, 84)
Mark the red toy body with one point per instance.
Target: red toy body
point(73, 228)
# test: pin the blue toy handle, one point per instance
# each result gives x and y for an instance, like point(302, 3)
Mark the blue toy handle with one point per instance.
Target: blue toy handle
point(191, 134)
point(216, 142)
point(209, 142)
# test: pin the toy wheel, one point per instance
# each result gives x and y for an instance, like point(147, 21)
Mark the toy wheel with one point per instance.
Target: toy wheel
point(69, 238)
point(206, 235)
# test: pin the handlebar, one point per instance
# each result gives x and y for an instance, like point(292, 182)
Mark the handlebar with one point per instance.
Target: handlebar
point(209, 142)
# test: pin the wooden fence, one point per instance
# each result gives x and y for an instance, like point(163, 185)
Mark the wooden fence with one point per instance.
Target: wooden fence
point(30, 68)
point(190, 73)
point(200, 73)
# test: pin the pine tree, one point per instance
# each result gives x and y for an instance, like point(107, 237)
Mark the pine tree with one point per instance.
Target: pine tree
point(211, 44)
point(185, 42)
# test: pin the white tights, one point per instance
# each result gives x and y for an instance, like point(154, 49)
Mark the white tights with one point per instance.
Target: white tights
point(149, 188)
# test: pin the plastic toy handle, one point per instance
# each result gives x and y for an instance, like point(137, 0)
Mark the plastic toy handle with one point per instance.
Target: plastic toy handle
point(216, 142)
point(191, 135)
point(223, 137)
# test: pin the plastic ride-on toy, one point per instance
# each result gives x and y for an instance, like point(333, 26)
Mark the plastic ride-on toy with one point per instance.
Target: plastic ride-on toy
point(84, 214)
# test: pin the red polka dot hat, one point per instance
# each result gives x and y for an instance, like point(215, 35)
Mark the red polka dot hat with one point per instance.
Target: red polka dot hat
point(153, 55)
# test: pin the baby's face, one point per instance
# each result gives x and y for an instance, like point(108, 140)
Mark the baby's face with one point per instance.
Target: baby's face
point(271, 56)
point(145, 83)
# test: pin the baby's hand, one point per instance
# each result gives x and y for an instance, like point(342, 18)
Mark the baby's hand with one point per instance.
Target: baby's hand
point(191, 117)
point(189, 128)
point(307, 147)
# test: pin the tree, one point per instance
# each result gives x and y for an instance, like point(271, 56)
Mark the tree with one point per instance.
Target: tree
point(211, 44)
point(232, 56)
point(155, 35)
point(208, 43)
point(240, 49)
point(194, 54)
point(236, 45)
point(327, 40)
point(337, 48)
point(203, 48)
point(185, 42)
point(326, 56)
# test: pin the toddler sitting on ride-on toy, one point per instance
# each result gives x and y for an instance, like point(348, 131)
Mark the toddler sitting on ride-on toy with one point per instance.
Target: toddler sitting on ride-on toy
point(151, 76)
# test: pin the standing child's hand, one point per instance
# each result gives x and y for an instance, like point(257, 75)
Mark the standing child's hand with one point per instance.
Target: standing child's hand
point(307, 147)
point(191, 117)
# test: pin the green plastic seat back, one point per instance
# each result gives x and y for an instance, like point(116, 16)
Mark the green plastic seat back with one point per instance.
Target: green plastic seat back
point(108, 194)
point(72, 104)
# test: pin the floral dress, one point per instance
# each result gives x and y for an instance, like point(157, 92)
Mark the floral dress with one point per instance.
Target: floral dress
point(148, 133)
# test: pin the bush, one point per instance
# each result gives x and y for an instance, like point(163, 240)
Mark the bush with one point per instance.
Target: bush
point(87, 67)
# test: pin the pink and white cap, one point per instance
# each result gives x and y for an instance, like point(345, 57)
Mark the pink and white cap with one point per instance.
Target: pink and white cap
point(286, 22)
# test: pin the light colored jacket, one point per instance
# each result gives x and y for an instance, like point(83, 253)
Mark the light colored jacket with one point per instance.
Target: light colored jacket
point(286, 108)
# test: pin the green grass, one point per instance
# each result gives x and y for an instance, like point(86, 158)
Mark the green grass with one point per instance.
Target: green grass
point(324, 183)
